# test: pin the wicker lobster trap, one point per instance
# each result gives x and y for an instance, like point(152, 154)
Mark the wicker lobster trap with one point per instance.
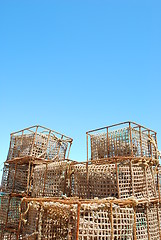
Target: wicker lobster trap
point(123, 139)
point(40, 142)
point(114, 178)
point(54, 219)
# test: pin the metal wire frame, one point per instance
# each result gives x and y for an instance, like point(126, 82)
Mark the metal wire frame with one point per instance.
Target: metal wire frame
point(135, 173)
point(144, 204)
point(33, 133)
point(18, 173)
point(130, 125)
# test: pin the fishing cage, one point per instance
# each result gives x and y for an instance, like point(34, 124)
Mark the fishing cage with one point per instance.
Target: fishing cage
point(18, 174)
point(40, 142)
point(121, 178)
point(9, 213)
point(72, 219)
point(121, 140)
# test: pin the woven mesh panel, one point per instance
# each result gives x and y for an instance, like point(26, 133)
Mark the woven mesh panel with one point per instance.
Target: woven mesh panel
point(8, 177)
point(79, 181)
point(50, 180)
point(141, 223)
point(20, 146)
point(159, 213)
point(4, 202)
point(54, 221)
point(29, 225)
point(5, 177)
point(15, 177)
point(125, 184)
point(95, 222)
point(151, 183)
point(9, 211)
point(117, 144)
point(50, 221)
point(102, 181)
point(140, 189)
point(123, 220)
point(6, 235)
point(153, 222)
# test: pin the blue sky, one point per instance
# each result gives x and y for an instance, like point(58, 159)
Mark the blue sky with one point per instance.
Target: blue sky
point(78, 65)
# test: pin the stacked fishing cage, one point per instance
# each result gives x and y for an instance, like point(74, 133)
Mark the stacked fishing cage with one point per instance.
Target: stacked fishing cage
point(114, 195)
point(30, 147)
point(124, 163)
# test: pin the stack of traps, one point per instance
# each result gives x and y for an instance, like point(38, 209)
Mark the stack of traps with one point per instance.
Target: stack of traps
point(114, 195)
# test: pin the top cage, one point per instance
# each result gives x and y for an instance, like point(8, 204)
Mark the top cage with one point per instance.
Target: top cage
point(39, 142)
point(120, 140)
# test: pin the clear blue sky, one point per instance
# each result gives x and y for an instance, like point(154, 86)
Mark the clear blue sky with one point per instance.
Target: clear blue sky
point(77, 65)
